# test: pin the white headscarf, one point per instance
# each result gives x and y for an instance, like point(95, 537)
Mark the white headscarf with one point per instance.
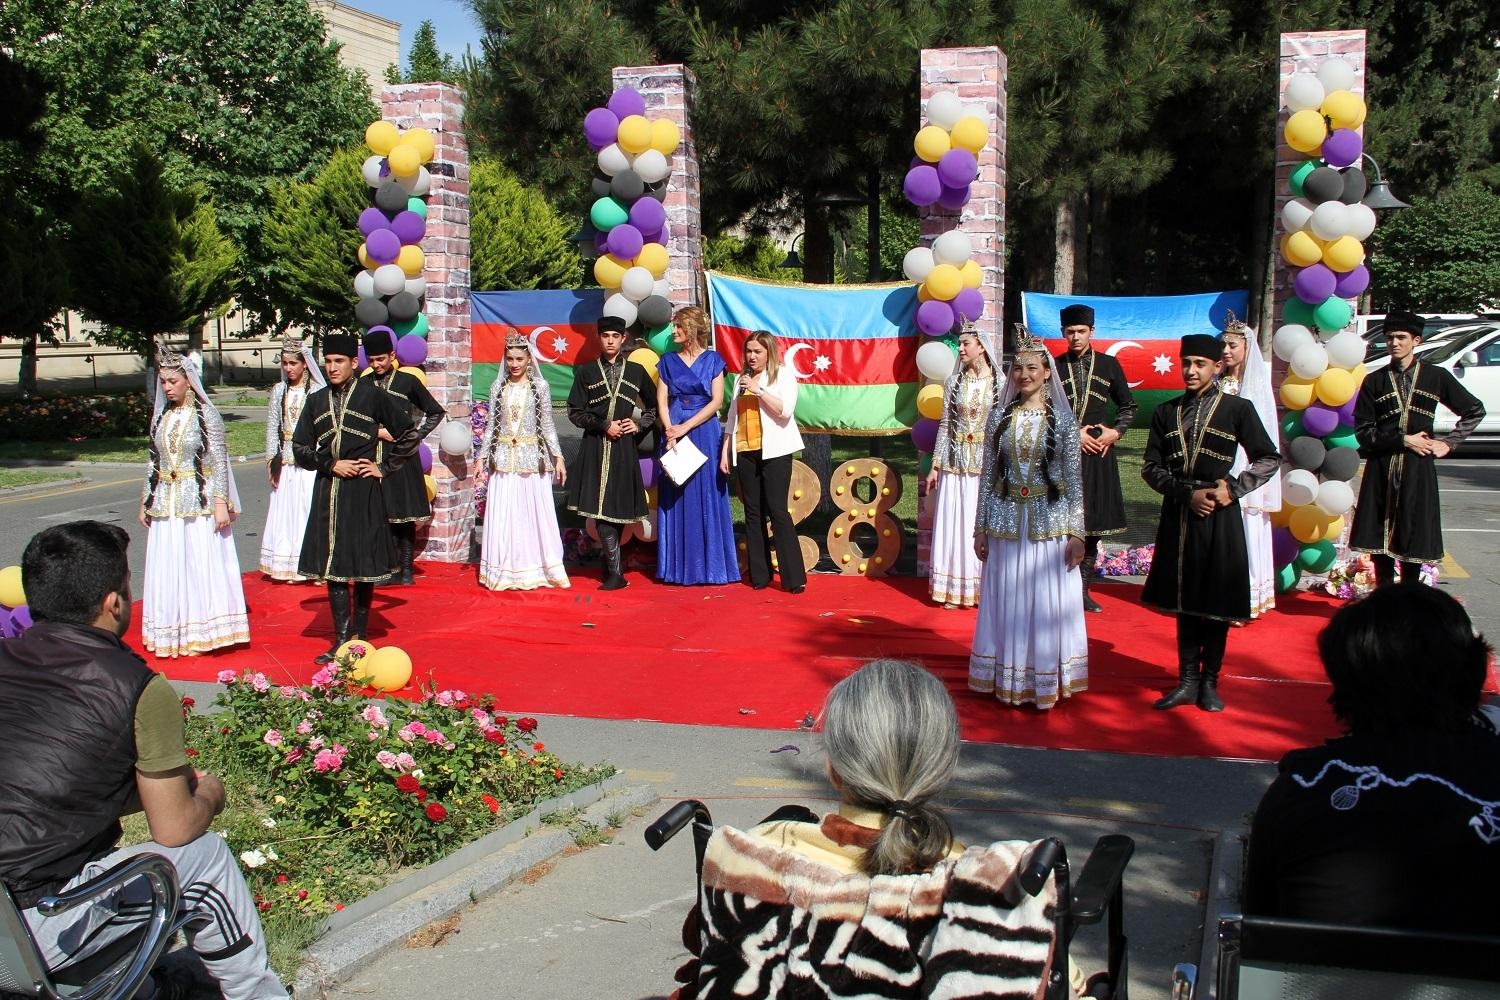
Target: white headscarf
point(1028, 343)
point(541, 391)
point(1255, 386)
point(991, 354)
point(167, 359)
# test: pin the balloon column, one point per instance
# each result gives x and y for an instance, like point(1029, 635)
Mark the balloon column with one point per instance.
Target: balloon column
point(15, 616)
point(947, 148)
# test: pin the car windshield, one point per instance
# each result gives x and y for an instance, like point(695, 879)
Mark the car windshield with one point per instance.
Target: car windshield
point(1462, 342)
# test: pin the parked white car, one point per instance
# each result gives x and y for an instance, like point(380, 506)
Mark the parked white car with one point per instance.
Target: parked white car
point(1442, 337)
point(1475, 360)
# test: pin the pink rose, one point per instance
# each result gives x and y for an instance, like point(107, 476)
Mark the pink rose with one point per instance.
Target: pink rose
point(326, 761)
point(272, 738)
point(386, 759)
point(406, 761)
point(304, 727)
point(290, 691)
point(434, 736)
point(444, 698)
point(316, 743)
point(324, 678)
point(227, 676)
point(375, 716)
point(259, 682)
point(372, 736)
point(480, 716)
point(294, 755)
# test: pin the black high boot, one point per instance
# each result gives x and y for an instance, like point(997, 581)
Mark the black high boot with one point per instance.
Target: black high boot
point(338, 601)
point(1385, 570)
point(609, 538)
point(1189, 649)
point(1215, 638)
point(1411, 571)
point(406, 544)
point(359, 622)
point(1086, 568)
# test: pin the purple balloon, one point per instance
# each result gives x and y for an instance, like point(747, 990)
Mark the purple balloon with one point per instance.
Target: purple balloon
point(660, 236)
point(601, 242)
point(361, 359)
point(922, 186)
point(424, 456)
point(1346, 412)
point(1320, 419)
point(924, 433)
point(968, 304)
point(624, 241)
point(372, 219)
point(383, 246)
point(1342, 147)
point(935, 317)
point(1351, 283)
point(648, 472)
point(7, 626)
point(648, 215)
point(408, 227)
point(1284, 546)
point(1314, 283)
point(625, 102)
point(600, 126)
point(20, 619)
point(952, 199)
point(411, 350)
point(957, 168)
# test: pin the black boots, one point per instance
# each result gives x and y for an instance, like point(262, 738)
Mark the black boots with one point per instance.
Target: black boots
point(1186, 691)
point(609, 538)
point(1215, 636)
point(359, 621)
point(406, 547)
point(1086, 569)
point(1200, 657)
point(338, 601)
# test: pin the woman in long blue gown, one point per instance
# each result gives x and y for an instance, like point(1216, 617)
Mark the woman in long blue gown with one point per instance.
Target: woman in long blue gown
point(697, 534)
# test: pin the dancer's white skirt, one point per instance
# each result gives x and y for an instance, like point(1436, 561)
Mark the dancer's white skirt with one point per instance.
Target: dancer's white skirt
point(1262, 562)
point(286, 523)
point(955, 567)
point(522, 547)
point(1030, 643)
point(192, 600)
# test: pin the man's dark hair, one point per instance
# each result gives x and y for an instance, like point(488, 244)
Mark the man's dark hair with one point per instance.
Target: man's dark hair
point(69, 569)
point(1406, 665)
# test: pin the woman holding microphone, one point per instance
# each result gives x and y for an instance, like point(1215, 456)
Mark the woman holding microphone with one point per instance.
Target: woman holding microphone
point(758, 442)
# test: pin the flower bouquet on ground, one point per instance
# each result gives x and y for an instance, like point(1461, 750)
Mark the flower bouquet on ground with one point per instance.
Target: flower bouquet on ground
point(1355, 577)
point(1132, 561)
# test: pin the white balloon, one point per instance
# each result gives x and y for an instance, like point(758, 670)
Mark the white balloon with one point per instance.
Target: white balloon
point(612, 159)
point(976, 111)
point(417, 286)
point(1289, 338)
point(1298, 488)
point(662, 287)
point(1334, 497)
point(370, 170)
point(390, 279)
point(1346, 349)
point(944, 109)
point(953, 247)
point(364, 284)
point(618, 305)
point(1324, 336)
point(1310, 361)
point(422, 184)
point(636, 284)
point(653, 166)
point(1335, 74)
point(1361, 221)
point(935, 360)
point(1329, 220)
point(456, 438)
point(646, 530)
point(917, 264)
point(1304, 91)
point(1296, 214)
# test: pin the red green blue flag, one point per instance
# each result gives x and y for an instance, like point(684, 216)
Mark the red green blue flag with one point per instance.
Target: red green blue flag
point(559, 324)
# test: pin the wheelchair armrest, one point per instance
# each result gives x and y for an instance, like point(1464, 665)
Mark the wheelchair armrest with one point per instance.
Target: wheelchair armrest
point(1100, 879)
point(1046, 856)
point(671, 822)
point(792, 813)
point(157, 869)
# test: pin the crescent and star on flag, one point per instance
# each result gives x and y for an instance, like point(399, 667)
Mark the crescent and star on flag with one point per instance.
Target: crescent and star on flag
point(1161, 363)
point(559, 344)
point(821, 363)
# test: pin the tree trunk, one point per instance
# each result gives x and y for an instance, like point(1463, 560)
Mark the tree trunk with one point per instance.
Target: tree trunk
point(1082, 223)
point(1063, 238)
point(26, 377)
point(1263, 250)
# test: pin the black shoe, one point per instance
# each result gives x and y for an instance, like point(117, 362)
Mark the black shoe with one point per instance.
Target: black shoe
point(614, 583)
point(1208, 697)
point(796, 590)
point(1089, 604)
point(171, 984)
point(1185, 693)
point(759, 586)
point(322, 659)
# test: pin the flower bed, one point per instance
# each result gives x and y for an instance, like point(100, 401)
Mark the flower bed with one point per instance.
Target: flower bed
point(75, 418)
point(332, 791)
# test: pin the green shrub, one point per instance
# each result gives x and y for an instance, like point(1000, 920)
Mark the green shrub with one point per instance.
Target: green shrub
point(75, 418)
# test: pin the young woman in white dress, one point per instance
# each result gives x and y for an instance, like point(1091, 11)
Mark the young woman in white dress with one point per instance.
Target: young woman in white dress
point(1030, 643)
point(1244, 372)
point(291, 486)
point(192, 600)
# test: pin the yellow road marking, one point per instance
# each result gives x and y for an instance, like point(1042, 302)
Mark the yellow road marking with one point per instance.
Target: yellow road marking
point(139, 477)
point(794, 784)
point(1115, 805)
point(652, 777)
point(1452, 569)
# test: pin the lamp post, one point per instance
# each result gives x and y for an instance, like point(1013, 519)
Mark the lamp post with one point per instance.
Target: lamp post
point(1379, 195)
point(792, 260)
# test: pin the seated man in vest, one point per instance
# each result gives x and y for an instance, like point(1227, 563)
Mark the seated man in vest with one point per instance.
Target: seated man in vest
point(89, 734)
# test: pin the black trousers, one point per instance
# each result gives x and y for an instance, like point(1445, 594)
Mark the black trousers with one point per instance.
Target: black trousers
point(1385, 570)
point(764, 485)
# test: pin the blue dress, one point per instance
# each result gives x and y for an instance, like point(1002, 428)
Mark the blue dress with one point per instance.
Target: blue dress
point(697, 533)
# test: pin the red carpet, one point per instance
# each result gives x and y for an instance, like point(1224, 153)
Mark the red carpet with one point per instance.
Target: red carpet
point(731, 656)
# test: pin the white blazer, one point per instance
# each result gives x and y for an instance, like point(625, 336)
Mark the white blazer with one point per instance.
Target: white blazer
point(778, 435)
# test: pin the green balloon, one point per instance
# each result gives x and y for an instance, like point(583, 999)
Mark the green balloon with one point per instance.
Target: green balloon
point(418, 205)
point(1286, 577)
point(1341, 438)
point(417, 326)
point(1300, 174)
point(924, 463)
point(1333, 313)
point(1291, 425)
point(1317, 557)
point(660, 339)
point(607, 213)
point(1297, 312)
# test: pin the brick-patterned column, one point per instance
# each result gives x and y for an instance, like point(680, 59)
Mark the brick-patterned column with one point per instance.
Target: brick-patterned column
point(671, 91)
point(439, 108)
point(977, 75)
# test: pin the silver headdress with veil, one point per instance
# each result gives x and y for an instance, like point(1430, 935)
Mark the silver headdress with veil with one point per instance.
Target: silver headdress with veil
point(293, 344)
point(541, 392)
point(168, 359)
point(1255, 385)
point(1029, 343)
point(991, 355)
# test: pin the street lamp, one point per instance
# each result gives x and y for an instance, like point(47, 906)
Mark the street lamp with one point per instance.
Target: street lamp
point(792, 260)
point(1379, 196)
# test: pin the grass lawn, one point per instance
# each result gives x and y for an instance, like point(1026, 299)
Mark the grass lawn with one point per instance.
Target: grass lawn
point(12, 478)
point(245, 437)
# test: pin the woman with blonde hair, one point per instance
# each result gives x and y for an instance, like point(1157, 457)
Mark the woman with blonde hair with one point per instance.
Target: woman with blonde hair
point(759, 441)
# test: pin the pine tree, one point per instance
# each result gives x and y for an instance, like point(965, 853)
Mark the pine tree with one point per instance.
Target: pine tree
point(517, 239)
point(312, 241)
point(425, 62)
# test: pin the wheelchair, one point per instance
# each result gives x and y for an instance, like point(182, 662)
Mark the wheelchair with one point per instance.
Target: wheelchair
point(1098, 894)
point(115, 971)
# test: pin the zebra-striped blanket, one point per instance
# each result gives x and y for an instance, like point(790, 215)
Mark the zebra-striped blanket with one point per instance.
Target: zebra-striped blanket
point(773, 922)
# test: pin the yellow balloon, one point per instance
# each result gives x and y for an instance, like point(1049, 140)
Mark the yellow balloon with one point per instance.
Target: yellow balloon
point(381, 137)
point(411, 260)
point(647, 359)
point(405, 161)
point(416, 373)
point(388, 668)
point(609, 269)
point(1306, 130)
point(944, 282)
point(1344, 109)
point(1336, 386)
point(12, 594)
point(1280, 517)
point(1344, 254)
point(971, 274)
point(930, 401)
point(1333, 530)
point(923, 295)
point(1301, 248)
point(665, 136)
point(970, 133)
point(1358, 371)
point(431, 485)
point(423, 141)
point(1308, 523)
point(1297, 393)
point(357, 670)
point(654, 258)
point(364, 258)
point(635, 134)
point(932, 142)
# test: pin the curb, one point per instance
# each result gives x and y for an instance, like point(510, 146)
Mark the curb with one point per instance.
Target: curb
point(388, 917)
point(16, 491)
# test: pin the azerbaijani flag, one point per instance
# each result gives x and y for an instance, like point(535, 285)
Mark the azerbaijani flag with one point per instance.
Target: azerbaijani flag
point(559, 323)
point(1141, 331)
point(852, 348)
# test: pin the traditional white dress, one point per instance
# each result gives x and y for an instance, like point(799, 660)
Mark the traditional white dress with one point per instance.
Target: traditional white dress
point(1257, 505)
point(1030, 641)
point(192, 600)
point(959, 457)
point(291, 498)
point(522, 546)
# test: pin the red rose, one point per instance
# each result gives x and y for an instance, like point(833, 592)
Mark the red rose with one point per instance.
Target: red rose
point(191, 752)
point(265, 907)
point(224, 730)
point(407, 783)
point(526, 725)
point(436, 812)
point(538, 747)
point(301, 893)
point(495, 735)
point(421, 795)
point(282, 880)
point(557, 773)
point(501, 720)
point(337, 907)
point(490, 802)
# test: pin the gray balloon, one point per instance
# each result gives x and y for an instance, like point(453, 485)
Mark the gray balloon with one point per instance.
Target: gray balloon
point(1340, 464)
point(1307, 453)
point(654, 310)
point(600, 186)
point(1323, 184)
point(1355, 186)
point(371, 312)
point(626, 186)
point(657, 190)
point(404, 306)
point(391, 196)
